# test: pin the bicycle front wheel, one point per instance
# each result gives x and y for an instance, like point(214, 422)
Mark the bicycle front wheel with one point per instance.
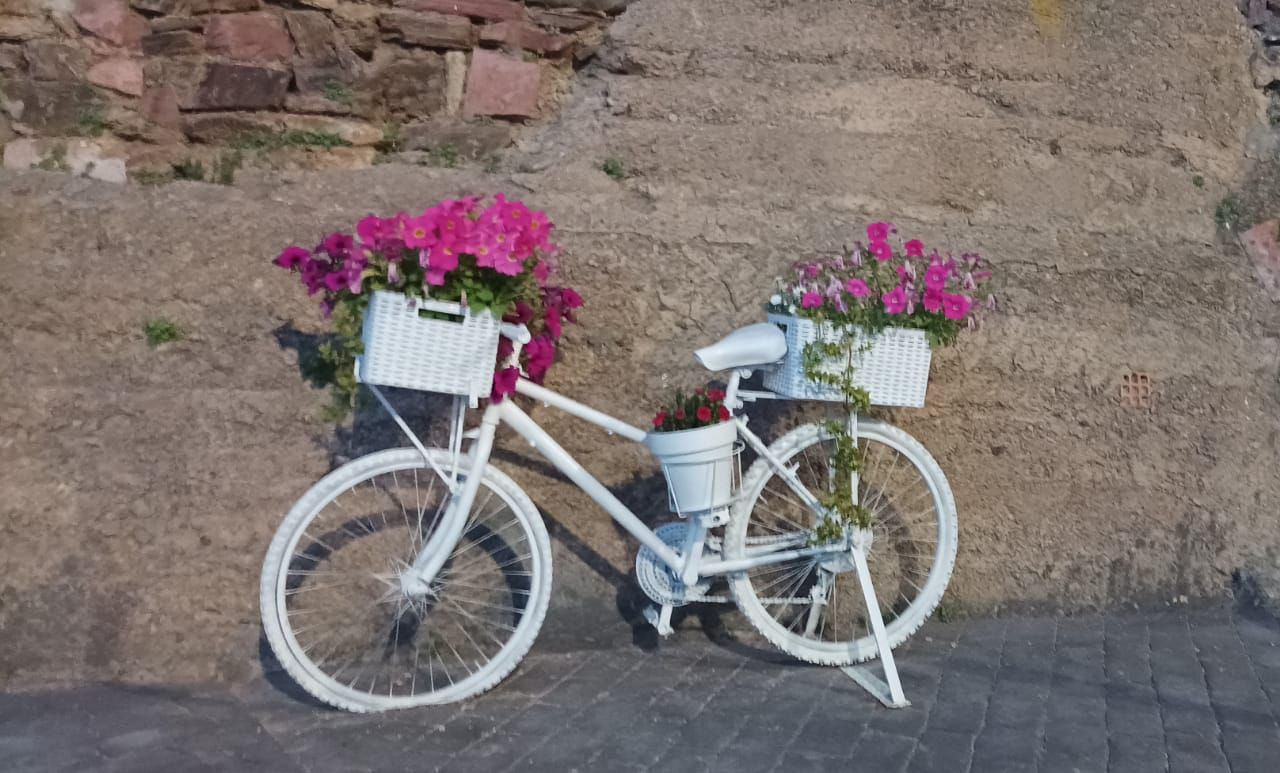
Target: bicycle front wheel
point(814, 608)
point(336, 615)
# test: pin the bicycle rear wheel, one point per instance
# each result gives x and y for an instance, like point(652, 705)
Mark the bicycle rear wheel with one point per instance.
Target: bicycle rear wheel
point(814, 608)
point(332, 604)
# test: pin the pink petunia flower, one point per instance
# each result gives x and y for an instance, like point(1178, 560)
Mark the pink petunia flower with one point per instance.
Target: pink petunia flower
point(504, 383)
point(520, 314)
point(508, 264)
point(811, 271)
point(881, 250)
point(955, 307)
point(292, 257)
point(419, 232)
point(914, 248)
point(895, 301)
point(935, 277)
point(878, 232)
point(338, 244)
point(571, 298)
point(554, 325)
point(858, 288)
point(810, 301)
point(542, 353)
point(932, 301)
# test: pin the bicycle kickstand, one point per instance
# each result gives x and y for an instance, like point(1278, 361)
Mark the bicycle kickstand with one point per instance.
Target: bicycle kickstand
point(659, 618)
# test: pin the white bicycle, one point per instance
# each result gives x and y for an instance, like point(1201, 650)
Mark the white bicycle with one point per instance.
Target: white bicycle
point(421, 575)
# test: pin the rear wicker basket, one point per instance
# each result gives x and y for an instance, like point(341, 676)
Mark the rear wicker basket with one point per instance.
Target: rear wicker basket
point(895, 370)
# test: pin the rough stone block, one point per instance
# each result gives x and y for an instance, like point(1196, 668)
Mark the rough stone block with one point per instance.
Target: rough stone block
point(110, 20)
point(322, 77)
point(51, 107)
point(494, 10)
point(413, 87)
point(314, 35)
point(182, 74)
point(426, 28)
point(358, 133)
point(1262, 242)
point(563, 20)
point(238, 86)
point(499, 85)
point(472, 140)
point(358, 26)
point(21, 154)
point(20, 28)
point(172, 23)
point(225, 128)
point(91, 159)
point(196, 7)
point(159, 105)
point(175, 43)
point(21, 8)
point(48, 60)
point(315, 103)
point(611, 7)
point(522, 34)
point(11, 58)
point(258, 37)
point(455, 65)
point(120, 74)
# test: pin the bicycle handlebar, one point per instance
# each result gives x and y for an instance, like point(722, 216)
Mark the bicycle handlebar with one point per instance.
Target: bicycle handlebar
point(516, 333)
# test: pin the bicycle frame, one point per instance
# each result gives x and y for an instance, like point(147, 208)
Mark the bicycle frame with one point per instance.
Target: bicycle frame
point(688, 568)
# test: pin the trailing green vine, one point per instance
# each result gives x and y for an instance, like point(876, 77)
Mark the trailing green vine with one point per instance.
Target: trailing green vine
point(852, 299)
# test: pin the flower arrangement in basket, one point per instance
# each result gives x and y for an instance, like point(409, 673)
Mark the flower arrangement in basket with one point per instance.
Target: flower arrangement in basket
point(860, 329)
point(694, 439)
point(418, 298)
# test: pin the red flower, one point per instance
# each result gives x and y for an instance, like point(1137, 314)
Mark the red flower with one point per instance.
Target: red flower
point(680, 414)
point(660, 419)
point(715, 395)
point(704, 413)
point(699, 391)
point(724, 413)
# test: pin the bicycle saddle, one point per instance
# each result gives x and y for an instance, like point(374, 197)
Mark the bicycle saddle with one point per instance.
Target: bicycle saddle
point(759, 344)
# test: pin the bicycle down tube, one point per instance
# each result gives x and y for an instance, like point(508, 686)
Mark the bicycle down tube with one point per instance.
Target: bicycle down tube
point(431, 559)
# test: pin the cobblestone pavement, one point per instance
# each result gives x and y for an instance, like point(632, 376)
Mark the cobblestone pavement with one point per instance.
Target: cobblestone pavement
point(1194, 691)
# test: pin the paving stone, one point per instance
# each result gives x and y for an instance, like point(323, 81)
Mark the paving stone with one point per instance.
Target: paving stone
point(1195, 754)
point(1136, 754)
point(692, 706)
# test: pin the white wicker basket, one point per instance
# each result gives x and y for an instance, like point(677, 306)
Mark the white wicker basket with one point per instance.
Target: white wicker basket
point(895, 370)
point(404, 348)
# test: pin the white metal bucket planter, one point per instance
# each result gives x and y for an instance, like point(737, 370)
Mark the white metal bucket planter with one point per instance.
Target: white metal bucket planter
point(894, 370)
point(699, 464)
point(428, 345)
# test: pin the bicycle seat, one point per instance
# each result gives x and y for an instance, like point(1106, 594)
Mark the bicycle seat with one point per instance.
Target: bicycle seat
point(759, 344)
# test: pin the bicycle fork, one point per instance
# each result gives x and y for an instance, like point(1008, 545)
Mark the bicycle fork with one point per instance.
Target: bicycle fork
point(416, 579)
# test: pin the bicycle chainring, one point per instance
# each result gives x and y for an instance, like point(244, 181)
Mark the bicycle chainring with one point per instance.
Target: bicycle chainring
point(657, 581)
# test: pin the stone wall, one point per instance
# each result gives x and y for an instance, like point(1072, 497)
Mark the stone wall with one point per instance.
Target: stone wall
point(144, 85)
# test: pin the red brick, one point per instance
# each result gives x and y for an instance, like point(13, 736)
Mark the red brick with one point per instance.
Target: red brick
point(500, 85)
point(494, 10)
point(256, 36)
point(111, 20)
